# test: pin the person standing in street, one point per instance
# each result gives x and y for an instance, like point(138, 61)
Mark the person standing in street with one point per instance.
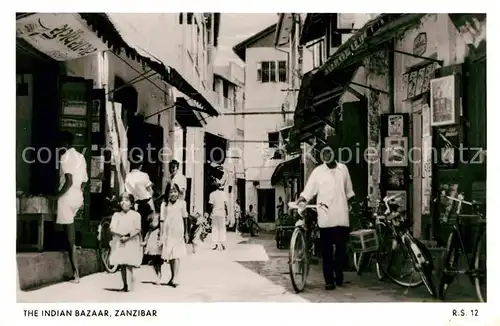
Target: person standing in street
point(140, 186)
point(73, 177)
point(126, 246)
point(237, 215)
point(179, 179)
point(218, 212)
point(172, 232)
point(280, 207)
point(332, 185)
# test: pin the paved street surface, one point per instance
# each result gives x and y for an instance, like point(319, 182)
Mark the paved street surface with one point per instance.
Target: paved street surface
point(251, 269)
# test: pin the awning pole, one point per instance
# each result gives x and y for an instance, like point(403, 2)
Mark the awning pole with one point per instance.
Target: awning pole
point(133, 81)
point(370, 88)
point(418, 56)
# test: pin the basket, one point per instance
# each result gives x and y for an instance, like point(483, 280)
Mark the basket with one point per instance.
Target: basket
point(364, 241)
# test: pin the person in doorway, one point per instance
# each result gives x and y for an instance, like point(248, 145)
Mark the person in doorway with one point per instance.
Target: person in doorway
point(126, 246)
point(218, 211)
point(172, 231)
point(73, 177)
point(280, 207)
point(332, 185)
point(140, 186)
point(179, 179)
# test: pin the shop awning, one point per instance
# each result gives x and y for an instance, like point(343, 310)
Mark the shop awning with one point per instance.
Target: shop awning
point(185, 114)
point(370, 38)
point(318, 96)
point(107, 31)
point(314, 27)
point(289, 168)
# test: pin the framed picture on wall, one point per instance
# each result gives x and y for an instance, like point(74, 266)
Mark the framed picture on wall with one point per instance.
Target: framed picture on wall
point(395, 178)
point(444, 101)
point(396, 151)
point(401, 200)
point(395, 126)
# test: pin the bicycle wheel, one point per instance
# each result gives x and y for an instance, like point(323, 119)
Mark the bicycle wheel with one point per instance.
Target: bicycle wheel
point(103, 239)
point(480, 268)
point(298, 260)
point(361, 260)
point(450, 262)
point(386, 245)
point(401, 269)
point(254, 229)
point(424, 268)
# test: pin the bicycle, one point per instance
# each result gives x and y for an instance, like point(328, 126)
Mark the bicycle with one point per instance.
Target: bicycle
point(302, 248)
point(104, 235)
point(476, 265)
point(420, 256)
point(371, 220)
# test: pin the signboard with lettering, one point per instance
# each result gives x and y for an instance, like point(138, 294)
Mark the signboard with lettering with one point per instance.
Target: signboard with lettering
point(61, 36)
point(355, 42)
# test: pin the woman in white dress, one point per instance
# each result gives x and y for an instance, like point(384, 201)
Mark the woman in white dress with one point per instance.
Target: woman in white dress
point(173, 233)
point(126, 246)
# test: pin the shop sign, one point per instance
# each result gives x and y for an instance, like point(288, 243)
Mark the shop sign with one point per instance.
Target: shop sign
point(354, 43)
point(420, 44)
point(60, 36)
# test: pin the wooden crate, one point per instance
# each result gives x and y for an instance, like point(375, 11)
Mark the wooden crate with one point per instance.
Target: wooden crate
point(364, 240)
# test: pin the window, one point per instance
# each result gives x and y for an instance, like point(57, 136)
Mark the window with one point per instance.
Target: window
point(180, 18)
point(225, 88)
point(266, 71)
point(282, 75)
point(189, 18)
point(274, 139)
point(285, 133)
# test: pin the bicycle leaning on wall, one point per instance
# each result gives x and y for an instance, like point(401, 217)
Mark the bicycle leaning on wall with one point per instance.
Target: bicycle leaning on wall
point(476, 265)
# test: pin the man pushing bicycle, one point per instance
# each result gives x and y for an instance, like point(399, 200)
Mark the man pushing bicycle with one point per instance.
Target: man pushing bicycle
point(331, 183)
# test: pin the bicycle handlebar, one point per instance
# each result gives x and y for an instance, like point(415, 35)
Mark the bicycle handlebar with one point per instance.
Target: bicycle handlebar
point(294, 205)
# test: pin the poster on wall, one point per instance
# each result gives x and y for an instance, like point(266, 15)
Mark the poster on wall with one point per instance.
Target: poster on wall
point(426, 120)
point(97, 167)
point(417, 81)
point(446, 205)
point(427, 156)
point(443, 98)
point(448, 144)
point(426, 195)
point(395, 125)
point(400, 200)
point(395, 151)
point(395, 178)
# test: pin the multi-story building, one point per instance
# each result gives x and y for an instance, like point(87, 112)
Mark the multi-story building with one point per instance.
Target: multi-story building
point(268, 90)
point(229, 126)
point(190, 50)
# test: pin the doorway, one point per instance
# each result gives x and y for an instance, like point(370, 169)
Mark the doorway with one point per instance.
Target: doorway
point(355, 117)
point(266, 202)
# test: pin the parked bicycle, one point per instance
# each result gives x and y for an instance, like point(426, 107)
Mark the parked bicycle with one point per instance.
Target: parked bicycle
point(374, 229)
point(248, 224)
point(414, 253)
point(476, 265)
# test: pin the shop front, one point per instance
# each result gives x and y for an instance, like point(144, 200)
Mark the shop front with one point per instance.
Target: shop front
point(424, 96)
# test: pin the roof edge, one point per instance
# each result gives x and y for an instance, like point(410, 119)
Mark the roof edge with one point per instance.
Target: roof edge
point(240, 48)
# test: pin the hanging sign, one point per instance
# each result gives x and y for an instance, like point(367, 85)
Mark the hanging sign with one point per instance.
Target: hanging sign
point(61, 36)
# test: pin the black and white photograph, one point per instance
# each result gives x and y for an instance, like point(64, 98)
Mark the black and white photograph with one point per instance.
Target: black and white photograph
point(187, 157)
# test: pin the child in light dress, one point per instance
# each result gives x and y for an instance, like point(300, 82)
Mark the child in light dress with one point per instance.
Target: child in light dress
point(172, 233)
point(126, 249)
point(152, 243)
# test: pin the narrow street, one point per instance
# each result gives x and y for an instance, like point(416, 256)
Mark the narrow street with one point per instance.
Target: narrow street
point(251, 269)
